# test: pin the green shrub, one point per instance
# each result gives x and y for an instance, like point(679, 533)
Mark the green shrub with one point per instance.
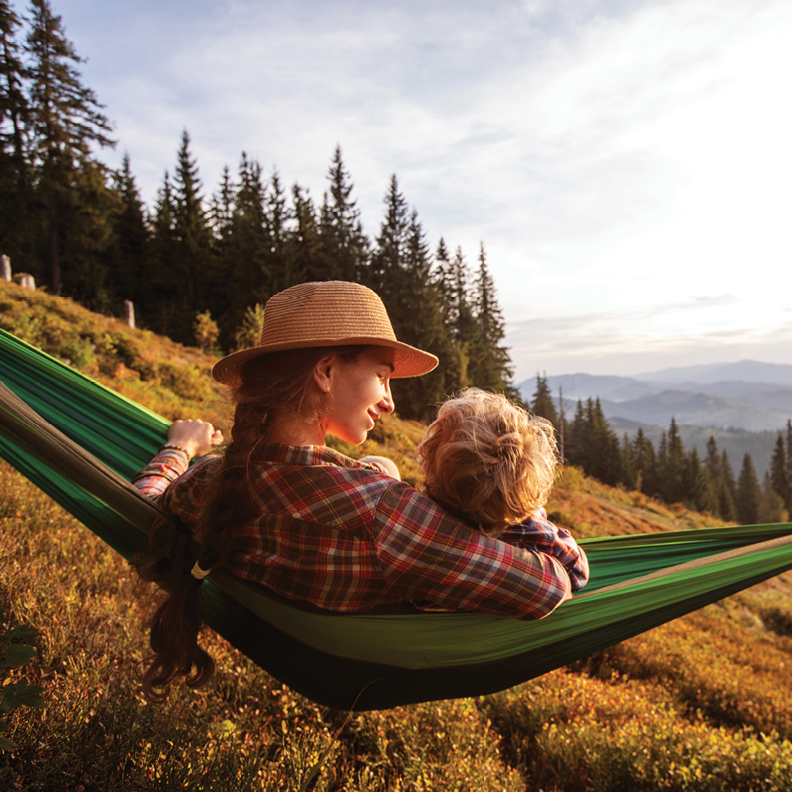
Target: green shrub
point(16, 651)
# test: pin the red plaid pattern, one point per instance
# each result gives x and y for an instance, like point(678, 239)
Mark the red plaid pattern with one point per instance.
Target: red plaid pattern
point(334, 532)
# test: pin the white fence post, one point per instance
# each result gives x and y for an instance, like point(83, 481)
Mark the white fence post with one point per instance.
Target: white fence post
point(26, 281)
point(129, 313)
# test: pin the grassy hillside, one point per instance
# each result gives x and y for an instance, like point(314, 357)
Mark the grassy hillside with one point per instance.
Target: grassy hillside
point(703, 703)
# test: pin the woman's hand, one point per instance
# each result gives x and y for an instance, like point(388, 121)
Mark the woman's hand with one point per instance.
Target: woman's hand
point(195, 437)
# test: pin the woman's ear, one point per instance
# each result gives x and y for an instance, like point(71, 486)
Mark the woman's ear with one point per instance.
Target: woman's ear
point(323, 371)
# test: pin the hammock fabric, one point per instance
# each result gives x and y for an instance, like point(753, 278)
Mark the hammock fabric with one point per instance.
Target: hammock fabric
point(81, 442)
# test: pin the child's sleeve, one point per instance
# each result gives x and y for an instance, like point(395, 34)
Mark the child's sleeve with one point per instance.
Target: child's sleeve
point(538, 533)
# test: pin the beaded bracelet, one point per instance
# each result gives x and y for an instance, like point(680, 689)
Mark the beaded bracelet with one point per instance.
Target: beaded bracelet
point(172, 447)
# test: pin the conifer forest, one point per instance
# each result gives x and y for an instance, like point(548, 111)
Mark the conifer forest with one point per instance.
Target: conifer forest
point(199, 265)
point(670, 473)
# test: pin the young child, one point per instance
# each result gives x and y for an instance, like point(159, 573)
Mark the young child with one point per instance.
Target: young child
point(491, 463)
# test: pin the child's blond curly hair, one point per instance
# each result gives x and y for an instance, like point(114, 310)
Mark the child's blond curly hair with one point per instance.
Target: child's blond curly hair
point(487, 460)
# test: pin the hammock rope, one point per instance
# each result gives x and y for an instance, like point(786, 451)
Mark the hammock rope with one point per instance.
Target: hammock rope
point(80, 443)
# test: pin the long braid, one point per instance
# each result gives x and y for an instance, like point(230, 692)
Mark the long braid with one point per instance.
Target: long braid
point(272, 386)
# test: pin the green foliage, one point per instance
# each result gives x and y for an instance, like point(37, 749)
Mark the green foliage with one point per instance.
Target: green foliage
point(249, 331)
point(173, 380)
point(16, 651)
point(206, 331)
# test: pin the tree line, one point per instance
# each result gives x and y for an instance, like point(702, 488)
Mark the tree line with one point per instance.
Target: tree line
point(669, 472)
point(198, 268)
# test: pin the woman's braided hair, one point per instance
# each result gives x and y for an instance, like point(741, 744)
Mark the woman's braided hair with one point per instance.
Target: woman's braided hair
point(487, 460)
point(272, 386)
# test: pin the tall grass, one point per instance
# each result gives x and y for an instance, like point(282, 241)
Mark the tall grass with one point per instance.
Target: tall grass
point(702, 703)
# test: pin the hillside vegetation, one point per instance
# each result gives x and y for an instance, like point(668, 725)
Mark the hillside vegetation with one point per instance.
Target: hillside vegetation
point(702, 703)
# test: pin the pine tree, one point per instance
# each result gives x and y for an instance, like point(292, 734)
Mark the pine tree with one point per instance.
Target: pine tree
point(661, 467)
point(771, 506)
point(220, 212)
point(424, 328)
point(644, 463)
point(245, 253)
point(460, 320)
point(577, 446)
point(778, 470)
point(157, 306)
point(276, 217)
point(65, 122)
point(249, 331)
point(542, 403)
point(490, 364)
point(788, 501)
point(400, 271)
point(727, 490)
point(463, 319)
point(701, 494)
point(606, 464)
point(594, 446)
point(305, 244)
point(749, 494)
point(455, 363)
point(15, 229)
point(446, 283)
point(129, 262)
point(191, 266)
point(713, 460)
point(675, 472)
point(722, 480)
point(386, 272)
point(344, 246)
point(563, 427)
point(629, 475)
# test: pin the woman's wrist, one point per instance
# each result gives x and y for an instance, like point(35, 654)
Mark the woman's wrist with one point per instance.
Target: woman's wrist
point(175, 447)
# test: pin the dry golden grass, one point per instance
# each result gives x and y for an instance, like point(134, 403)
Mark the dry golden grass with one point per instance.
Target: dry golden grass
point(702, 703)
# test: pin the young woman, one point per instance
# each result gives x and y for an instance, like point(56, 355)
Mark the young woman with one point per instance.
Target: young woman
point(281, 509)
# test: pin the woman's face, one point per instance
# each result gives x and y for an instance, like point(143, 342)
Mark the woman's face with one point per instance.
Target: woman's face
point(356, 393)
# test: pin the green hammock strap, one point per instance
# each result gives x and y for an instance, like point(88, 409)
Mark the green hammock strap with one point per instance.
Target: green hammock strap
point(29, 432)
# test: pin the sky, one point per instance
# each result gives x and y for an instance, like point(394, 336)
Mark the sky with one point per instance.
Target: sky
point(625, 163)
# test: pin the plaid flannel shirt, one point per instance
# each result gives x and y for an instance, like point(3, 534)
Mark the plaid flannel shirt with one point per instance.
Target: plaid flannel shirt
point(336, 533)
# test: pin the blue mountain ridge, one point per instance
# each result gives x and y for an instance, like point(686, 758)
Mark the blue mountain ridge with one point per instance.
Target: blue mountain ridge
point(742, 404)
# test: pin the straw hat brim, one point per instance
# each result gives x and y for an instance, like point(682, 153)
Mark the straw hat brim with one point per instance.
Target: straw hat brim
point(408, 361)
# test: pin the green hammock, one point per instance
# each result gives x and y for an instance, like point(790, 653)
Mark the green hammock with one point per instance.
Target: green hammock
point(81, 442)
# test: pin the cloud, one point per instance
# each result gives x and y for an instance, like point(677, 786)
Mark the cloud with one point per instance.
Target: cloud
point(625, 163)
point(604, 343)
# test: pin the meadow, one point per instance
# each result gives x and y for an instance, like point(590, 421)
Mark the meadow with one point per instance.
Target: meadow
point(702, 703)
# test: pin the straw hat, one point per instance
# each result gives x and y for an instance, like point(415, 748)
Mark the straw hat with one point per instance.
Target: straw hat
point(326, 313)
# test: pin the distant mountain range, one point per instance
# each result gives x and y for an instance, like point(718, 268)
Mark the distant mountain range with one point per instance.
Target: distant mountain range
point(746, 402)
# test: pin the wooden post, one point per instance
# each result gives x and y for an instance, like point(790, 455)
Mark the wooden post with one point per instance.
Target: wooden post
point(26, 280)
point(5, 267)
point(129, 313)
